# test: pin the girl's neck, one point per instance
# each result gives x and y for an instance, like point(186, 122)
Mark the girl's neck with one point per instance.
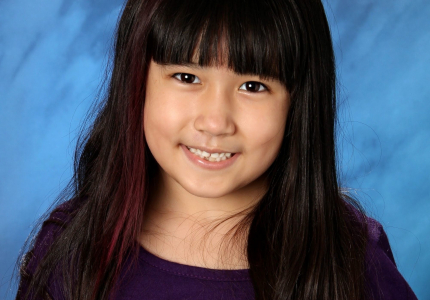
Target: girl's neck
point(210, 233)
point(190, 240)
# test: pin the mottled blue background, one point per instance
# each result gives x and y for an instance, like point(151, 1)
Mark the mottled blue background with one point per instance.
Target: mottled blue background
point(52, 59)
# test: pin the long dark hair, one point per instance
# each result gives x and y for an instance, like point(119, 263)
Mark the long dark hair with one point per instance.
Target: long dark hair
point(304, 241)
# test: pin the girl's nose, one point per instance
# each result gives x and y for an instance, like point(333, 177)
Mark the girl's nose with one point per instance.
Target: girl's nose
point(215, 115)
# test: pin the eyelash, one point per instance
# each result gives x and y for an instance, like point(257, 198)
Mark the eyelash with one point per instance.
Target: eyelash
point(182, 77)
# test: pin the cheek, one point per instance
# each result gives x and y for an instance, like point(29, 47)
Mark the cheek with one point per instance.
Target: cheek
point(163, 122)
point(156, 125)
point(265, 131)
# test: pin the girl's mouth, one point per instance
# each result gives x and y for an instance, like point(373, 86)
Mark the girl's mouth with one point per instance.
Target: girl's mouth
point(214, 157)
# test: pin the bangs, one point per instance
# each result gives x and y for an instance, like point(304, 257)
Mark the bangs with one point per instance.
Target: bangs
point(250, 37)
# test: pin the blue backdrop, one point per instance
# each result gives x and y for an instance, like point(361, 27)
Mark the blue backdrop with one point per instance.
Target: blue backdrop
point(52, 59)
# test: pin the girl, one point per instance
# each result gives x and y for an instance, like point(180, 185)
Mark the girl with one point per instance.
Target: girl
point(209, 171)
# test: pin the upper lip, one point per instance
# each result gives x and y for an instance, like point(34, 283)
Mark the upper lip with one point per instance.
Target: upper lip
point(213, 150)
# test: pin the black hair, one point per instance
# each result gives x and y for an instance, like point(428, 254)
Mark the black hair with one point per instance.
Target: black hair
point(305, 240)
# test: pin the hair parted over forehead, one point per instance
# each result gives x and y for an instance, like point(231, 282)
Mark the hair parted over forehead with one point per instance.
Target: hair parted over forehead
point(262, 38)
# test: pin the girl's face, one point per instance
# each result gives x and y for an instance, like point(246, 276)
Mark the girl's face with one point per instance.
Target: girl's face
point(213, 109)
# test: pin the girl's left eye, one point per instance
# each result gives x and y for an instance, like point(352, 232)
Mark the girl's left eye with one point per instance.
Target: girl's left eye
point(187, 78)
point(253, 86)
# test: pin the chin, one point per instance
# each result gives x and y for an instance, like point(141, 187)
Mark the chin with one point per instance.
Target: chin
point(205, 191)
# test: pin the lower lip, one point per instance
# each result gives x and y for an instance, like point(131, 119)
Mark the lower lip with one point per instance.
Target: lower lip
point(210, 165)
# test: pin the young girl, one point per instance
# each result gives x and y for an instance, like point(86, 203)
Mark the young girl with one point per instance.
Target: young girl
point(209, 171)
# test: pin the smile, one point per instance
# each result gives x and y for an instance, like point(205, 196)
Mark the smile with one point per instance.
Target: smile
point(211, 156)
point(210, 161)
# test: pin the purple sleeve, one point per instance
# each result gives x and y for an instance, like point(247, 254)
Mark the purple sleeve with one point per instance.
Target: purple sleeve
point(384, 281)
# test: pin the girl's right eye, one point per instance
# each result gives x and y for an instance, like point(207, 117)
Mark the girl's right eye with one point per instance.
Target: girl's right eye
point(187, 78)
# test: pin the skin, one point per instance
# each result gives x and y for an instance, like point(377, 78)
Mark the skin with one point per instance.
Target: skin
point(214, 109)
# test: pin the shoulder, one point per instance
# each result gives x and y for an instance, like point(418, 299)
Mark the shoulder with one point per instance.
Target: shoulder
point(383, 279)
point(376, 236)
point(51, 229)
point(53, 226)
point(378, 243)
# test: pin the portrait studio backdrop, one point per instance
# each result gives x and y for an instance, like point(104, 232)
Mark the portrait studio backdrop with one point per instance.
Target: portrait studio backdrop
point(53, 54)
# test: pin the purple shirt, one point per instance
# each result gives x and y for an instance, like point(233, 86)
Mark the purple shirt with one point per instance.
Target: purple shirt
point(155, 278)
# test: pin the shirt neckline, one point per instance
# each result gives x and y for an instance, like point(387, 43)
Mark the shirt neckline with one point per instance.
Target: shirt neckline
point(192, 271)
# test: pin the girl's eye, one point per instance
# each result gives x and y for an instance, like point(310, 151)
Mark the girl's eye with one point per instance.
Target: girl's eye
point(253, 86)
point(187, 78)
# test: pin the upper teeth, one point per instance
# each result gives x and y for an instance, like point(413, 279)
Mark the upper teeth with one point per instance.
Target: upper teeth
point(210, 156)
